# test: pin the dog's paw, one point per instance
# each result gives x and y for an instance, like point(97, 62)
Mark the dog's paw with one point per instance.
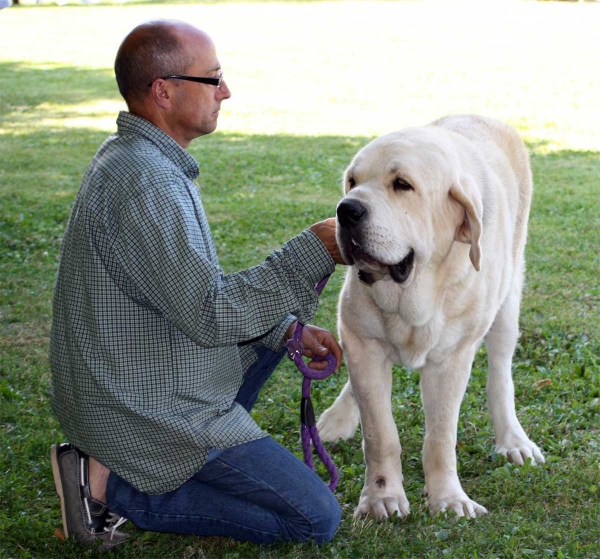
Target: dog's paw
point(382, 502)
point(517, 449)
point(338, 422)
point(458, 503)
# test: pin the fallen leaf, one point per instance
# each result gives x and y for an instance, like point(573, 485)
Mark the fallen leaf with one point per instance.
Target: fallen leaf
point(60, 534)
point(542, 383)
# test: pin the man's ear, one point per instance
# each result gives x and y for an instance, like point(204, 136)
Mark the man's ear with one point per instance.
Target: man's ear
point(469, 231)
point(161, 94)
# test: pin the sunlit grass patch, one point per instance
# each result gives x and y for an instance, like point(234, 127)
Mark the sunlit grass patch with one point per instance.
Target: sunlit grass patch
point(98, 115)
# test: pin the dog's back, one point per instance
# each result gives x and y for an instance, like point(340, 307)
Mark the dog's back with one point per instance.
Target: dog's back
point(479, 129)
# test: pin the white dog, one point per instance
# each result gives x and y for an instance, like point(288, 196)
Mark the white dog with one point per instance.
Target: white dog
point(434, 221)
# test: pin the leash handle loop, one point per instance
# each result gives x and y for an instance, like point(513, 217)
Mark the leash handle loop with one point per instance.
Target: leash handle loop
point(309, 430)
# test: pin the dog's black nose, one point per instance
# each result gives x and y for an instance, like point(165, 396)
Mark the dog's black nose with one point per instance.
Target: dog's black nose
point(350, 212)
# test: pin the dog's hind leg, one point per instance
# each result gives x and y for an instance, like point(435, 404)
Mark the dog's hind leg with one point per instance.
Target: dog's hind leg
point(341, 419)
point(511, 440)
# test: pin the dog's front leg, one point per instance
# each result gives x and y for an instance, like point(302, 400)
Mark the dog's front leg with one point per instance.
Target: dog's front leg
point(442, 389)
point(370, 372)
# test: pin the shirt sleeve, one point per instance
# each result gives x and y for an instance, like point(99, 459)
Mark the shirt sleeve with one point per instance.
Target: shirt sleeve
point(165, 248)
point(274, 339)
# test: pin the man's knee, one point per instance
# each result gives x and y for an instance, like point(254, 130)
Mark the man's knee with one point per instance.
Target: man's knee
point(330, 523)
point(323, 519)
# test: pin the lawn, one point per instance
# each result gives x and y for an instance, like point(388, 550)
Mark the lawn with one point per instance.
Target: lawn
point(313, 82)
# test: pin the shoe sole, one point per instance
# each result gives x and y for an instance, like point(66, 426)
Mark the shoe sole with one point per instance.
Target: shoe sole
point(58, 485)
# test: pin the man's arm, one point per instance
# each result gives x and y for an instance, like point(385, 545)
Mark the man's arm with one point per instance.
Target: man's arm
point(325, 230)
point(166, 252)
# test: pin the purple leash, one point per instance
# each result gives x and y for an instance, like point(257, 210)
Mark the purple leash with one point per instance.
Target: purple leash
point(307, 415)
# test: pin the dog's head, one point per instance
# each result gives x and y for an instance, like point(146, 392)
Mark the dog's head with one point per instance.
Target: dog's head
point(406, 202)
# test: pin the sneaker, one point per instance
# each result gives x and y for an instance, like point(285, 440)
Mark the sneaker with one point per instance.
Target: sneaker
point(89, 521)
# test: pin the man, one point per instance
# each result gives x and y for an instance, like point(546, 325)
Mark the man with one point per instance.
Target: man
point(157, 356)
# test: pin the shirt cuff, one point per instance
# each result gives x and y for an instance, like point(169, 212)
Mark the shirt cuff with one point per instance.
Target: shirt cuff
point(312, 257)
point(275, 338)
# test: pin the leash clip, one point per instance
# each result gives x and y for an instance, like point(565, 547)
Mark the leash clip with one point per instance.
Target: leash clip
point(295, 349)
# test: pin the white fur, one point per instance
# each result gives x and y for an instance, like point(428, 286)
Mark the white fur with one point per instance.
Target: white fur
point(468, 211)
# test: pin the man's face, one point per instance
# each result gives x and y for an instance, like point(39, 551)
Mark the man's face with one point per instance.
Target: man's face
point(196, 105)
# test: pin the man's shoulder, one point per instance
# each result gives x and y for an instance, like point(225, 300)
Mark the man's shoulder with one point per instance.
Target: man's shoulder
point(121, 152)
point(137, 160)
point(127, 167)
point(132, 159)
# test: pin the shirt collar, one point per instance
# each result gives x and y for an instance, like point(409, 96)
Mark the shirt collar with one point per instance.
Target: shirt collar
point(128, 123)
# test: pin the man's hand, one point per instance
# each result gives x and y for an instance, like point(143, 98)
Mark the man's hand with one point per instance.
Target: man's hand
point(325, 230)
point(318, 342)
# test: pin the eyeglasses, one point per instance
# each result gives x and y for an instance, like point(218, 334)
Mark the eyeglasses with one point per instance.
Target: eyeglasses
point(210, 81)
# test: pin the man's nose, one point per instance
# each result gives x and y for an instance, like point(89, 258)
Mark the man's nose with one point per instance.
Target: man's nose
point(350, 213)
point(225, 92)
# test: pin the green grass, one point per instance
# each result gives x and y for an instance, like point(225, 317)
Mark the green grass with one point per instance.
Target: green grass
point(312, 83)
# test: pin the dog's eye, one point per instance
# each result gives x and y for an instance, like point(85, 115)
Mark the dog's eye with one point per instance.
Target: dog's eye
point(351, 182)
point(401, 184)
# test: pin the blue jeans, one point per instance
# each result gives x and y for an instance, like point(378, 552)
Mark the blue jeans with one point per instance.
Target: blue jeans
point(257, 491)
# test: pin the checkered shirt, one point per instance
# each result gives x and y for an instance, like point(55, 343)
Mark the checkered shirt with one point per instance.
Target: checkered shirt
point(150, 339)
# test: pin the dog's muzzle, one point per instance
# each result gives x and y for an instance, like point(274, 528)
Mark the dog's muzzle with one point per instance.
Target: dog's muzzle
point(351, 215)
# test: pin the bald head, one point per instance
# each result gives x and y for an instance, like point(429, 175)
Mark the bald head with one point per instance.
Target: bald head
point(153, 49)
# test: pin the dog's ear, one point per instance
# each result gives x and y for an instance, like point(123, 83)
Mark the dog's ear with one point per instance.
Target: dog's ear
point(347, 180)
point(469, 231)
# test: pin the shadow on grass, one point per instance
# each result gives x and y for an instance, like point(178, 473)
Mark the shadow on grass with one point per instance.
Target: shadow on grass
point(262, 186)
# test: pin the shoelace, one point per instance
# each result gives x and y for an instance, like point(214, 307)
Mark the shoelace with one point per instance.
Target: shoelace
point(114, 521)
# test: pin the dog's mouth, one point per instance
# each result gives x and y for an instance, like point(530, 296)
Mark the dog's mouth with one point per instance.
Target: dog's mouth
point(401, 270)
point(357, 255)
point(372, 269)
